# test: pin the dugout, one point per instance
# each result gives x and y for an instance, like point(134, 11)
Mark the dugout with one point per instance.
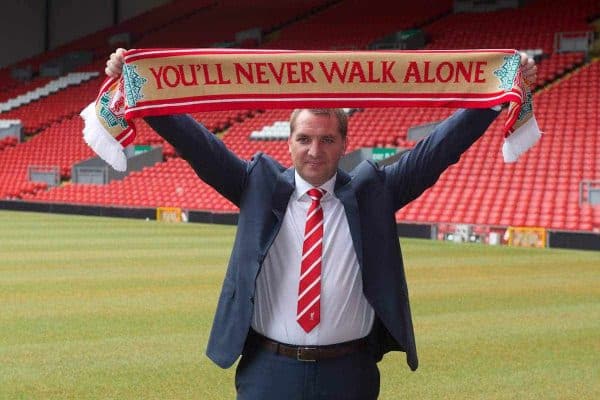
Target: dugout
point(97, 171)
point(11, 128)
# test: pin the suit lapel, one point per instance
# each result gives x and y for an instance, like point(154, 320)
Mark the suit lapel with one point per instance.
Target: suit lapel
point(284, 186)
point(282, 190)
point(343, 190)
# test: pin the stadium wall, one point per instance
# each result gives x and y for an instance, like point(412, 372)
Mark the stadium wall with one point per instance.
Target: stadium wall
point(574, 240)
point(67, 20)
point(556, 239)
point(72, 19)
point(75, 209)
point(21, 30)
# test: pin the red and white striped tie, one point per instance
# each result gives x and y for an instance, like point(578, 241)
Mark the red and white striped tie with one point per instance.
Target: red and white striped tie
point(309, 288)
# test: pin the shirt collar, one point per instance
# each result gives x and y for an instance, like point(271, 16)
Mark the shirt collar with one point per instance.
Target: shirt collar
point(302, 186)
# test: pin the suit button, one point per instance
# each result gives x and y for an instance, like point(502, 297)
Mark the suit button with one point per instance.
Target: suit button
point(252, 299)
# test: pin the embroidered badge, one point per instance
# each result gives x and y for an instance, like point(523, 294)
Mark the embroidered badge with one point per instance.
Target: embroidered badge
point(133, 84)
point(109, 117)
point(526, 107)
point(506, 73)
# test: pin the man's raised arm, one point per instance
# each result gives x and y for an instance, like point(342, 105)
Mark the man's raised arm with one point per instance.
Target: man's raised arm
point(419, 168)
point(209, 157)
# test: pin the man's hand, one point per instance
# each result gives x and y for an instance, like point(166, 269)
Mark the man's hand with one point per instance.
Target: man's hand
point(529, 70)
point(114, 65)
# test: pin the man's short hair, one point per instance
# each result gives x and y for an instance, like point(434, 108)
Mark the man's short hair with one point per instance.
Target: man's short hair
point(337, 113)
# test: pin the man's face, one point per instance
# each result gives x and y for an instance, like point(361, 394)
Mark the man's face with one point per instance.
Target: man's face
point(316, 146)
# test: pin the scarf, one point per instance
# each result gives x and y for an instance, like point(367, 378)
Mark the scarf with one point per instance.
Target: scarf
point(170, 81)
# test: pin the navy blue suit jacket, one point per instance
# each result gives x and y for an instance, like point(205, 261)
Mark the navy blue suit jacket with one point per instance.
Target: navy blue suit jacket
point(371, 195)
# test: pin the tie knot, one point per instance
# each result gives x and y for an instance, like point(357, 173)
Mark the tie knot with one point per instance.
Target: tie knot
point(315, 194)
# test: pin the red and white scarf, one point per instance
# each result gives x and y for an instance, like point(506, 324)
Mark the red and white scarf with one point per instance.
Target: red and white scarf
point(171, 81)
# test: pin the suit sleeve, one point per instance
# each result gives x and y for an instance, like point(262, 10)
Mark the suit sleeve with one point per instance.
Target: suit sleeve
point(212, 161)
point(419, 168)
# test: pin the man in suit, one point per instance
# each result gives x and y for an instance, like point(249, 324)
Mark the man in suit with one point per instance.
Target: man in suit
point(315, 292)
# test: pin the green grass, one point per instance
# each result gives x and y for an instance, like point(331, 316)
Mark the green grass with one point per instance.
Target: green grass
point(101, 308)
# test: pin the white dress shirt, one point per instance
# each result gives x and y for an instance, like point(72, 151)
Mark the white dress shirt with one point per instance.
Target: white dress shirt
point(345, 312)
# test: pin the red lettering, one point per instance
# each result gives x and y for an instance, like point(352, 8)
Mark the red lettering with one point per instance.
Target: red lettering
point(306, 71)
point(193, 80)
point(175, 76)
point(439, 71)
point(157, 76)
point(357, 71)
point(246, 73)
point(386, 71)
point(291, 72)
point(372, 78)
point(461, 69)
point(335, 70)
point(222, 80)
point(277, 74)
point(426, 78)
point(412, 72)
point(207, 80)
point(479, 71)
point(261, 72)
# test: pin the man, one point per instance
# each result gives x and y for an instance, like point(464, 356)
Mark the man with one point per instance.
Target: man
point(315, 293)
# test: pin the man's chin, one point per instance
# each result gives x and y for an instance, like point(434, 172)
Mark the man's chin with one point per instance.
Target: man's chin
point(315, 178)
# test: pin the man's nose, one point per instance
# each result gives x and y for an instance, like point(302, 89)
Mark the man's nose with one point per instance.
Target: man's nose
point(313, 149)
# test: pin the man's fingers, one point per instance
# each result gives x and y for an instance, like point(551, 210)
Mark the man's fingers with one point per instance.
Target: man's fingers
point(524, 57)
point(118, 58)
point(115, 61)
point(112, 72)
point(114, 64)
point(531, 68)
point(528, 69)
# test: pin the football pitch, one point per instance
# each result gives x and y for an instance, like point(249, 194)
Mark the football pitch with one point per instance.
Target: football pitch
point(103, 308)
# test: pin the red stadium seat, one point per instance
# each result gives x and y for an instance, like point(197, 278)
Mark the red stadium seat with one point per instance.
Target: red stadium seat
point(541, 189)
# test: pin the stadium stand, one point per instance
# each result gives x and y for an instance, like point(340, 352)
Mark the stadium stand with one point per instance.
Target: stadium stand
point(169, 184)
point(26, 86)
point(539, 190)
point(215, 121)
point(137, 27)
point(7, 142)
point(53, 86)
point(219, 22)
point(515, 28)
point(542, 188)
point(358, 23)
point(58, 146)
point(40, 114)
